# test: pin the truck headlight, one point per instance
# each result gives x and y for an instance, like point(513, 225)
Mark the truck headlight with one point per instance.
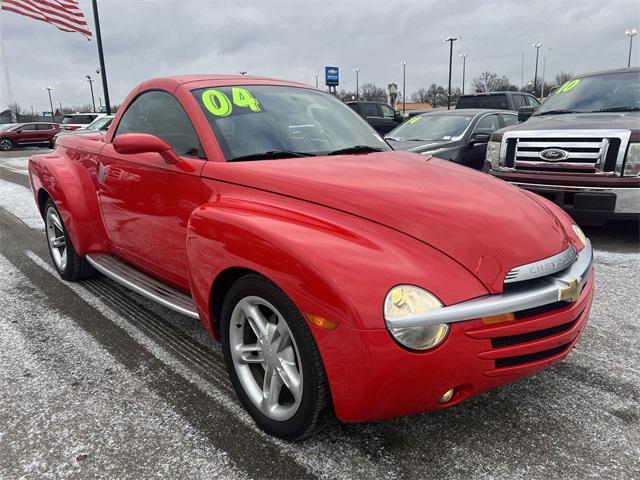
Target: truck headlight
point(493, 155)
point(405, 301)
point(632, 161)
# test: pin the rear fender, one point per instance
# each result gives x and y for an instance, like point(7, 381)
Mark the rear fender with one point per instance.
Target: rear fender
point(73, 191)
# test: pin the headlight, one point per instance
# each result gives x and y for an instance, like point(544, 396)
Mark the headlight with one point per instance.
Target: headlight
point(407, 300)
point(493, 155)
point(580, 234)
point(632, 161)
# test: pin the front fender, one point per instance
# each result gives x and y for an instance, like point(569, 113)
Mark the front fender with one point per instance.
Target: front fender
point(67, 185)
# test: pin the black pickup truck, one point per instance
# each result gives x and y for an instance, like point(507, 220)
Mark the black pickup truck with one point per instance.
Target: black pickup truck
point(580, 149)
point(379, 115)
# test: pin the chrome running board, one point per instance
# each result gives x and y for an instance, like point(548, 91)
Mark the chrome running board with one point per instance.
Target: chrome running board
point(142, 283)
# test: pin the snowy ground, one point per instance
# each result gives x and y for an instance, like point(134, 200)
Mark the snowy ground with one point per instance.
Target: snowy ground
point(97, 382)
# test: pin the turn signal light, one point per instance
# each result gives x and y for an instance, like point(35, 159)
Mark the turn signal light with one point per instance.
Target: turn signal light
point(448, 395)
point(503, 318)
point(320, 322)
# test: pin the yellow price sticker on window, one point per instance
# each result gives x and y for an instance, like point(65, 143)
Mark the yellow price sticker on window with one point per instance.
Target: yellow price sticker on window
point(413, 120)
point(218, 103)
point(568, 86)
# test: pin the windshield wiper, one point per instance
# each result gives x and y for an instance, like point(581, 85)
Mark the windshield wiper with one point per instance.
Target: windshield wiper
point(271, 155)
point(355, 149)
point(617, 109)
point(559, 111)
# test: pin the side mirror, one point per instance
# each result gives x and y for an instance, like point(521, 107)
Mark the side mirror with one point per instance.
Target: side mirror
point(480, 138)
point(398, 115)
point(525, 112)
point(135, 143)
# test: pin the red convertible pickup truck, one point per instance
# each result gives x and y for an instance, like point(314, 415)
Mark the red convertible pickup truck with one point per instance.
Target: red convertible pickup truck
point(341, 277)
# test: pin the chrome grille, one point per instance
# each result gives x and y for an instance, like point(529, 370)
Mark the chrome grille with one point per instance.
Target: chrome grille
point(594, 152)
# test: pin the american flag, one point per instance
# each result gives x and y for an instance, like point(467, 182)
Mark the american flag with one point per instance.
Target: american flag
point(64, 14)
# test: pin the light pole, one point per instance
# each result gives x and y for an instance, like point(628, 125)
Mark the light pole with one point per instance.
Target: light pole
point(93, 100)
point(522, 72)
point(316, 75)
point(357, 70)
point(48, 89)
point(404, 85)
point(544, 69)
point(630, 33)
point(535, 75)
point(464, 68)
point(450, 40)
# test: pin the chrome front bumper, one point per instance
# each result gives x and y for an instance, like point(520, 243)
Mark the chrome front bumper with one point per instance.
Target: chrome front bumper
point(542, 291)
point(627, 199)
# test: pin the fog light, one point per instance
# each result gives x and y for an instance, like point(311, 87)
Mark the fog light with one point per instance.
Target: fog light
point(448, 395)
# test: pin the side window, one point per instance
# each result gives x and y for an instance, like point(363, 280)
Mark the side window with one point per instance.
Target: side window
point(44, 126)
point(159, 113)
point(387, 112)
point(488, 124)
point(533, 101)
point(497, 102)
point(370, 110)
point(509, 120)
point(28, 128)
point(518, 101)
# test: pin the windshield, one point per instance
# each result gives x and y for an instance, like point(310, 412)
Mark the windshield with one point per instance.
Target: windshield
point(431, 127)
point(611, 92)
point(100, 124)
point(7, 126)
point(252, 120)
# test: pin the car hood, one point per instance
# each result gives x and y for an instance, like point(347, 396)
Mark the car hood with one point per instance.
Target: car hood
point(576, 121)
point(483, 223)
point(419, 145)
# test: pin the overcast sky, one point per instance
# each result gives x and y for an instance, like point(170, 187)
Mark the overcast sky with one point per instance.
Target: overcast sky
point(295, 39)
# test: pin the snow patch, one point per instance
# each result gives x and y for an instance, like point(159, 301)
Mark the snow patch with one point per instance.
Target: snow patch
point(19, 201)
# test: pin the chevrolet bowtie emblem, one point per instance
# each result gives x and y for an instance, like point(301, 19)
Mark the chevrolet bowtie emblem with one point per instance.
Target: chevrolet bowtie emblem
point(571, 292)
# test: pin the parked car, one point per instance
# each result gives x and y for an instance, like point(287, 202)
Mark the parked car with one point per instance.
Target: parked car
point(379, 115)
point(73, 121)
point(581, 149)
point(95, 129)
point(335, 271)
point(28, 134)
point(498, 101)
point(457, 135)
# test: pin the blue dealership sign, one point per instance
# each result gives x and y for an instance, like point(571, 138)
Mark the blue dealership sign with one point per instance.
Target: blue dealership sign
point(332, 76)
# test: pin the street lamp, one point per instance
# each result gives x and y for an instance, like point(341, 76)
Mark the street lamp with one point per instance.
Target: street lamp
point(93, 101)
point(544, 69)
point(464, 68)
point(630, 33)
point(48, 89)
point(357, 70)
point(450, 40)
point(535, 76)
point(316, 75)
point(404, 85)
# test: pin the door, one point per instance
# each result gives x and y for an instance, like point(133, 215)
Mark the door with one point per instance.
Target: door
point(146, 202)
point(46, 132)
point(29, 134)
point(371, 112)
point(388, 118)
point(474, 155)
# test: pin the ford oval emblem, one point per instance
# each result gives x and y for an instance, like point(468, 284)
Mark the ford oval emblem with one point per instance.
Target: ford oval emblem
point(553, 154)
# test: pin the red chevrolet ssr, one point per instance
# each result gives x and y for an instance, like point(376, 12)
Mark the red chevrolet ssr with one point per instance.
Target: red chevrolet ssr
point(341, 277)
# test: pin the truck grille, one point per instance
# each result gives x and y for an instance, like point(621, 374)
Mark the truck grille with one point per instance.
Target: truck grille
point(577, 152)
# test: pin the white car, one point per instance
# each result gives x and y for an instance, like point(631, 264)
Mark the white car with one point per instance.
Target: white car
point(99, 125)
point(74, 121)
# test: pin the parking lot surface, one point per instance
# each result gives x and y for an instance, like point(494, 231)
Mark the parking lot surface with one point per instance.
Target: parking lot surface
point(95, 381)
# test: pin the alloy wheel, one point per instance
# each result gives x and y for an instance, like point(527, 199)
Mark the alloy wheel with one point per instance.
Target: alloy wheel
point(56, 238)
point(266, 358)
point(5, 144)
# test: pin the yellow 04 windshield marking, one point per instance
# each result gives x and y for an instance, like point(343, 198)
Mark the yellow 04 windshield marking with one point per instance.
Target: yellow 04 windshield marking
point(568, 86)
point(218, 102)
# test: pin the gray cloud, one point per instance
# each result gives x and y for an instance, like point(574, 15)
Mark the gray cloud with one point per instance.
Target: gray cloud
point(295, 39)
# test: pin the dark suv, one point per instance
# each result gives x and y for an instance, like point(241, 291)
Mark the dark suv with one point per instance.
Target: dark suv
point(498, 101)
point(32, 134)
point(379, 115)
point(581, 149)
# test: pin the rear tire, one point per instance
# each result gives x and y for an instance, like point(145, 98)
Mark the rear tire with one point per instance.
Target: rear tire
point(273, 361)
point(6, 144)
point(69, 265)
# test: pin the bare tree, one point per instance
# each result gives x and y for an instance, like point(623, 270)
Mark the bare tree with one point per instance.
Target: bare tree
point(420, 96)
point(490, 82)
point(344, 95)
point(371, 92)
point(563, 77)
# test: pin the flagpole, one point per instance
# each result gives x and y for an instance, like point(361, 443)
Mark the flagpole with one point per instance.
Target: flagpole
point(103, 71)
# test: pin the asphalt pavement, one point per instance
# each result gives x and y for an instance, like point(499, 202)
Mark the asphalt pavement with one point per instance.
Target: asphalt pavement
point(97, 382)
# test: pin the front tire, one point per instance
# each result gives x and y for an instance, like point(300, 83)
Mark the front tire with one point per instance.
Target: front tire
point(69, 265)
point(272, 359)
